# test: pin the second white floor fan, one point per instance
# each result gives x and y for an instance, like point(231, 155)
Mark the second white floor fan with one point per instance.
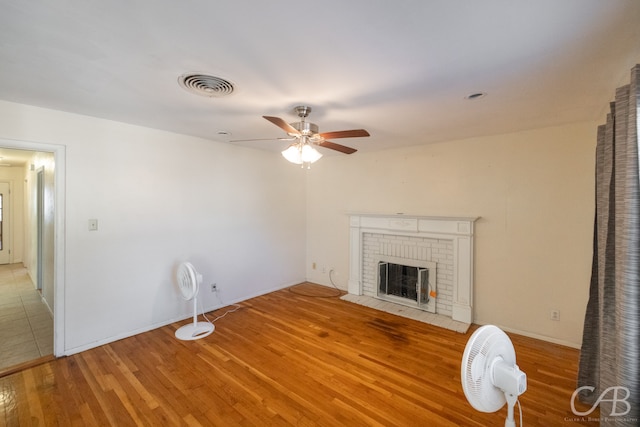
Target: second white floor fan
point(489, 374)
point(189, 281)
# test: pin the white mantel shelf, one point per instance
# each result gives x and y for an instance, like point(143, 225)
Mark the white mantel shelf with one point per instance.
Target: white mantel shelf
point(459, 230)
point(416, 223)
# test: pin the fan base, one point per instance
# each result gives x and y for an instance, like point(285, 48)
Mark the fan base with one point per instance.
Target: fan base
point(194, 331)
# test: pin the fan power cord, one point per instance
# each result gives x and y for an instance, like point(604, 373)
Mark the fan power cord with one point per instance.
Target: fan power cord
point(302, 294)
point(331, 280)
point(237, 307)
point(520, 409)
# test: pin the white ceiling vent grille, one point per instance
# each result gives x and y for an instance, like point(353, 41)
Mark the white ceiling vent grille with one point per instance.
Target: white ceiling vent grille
point(206, 85)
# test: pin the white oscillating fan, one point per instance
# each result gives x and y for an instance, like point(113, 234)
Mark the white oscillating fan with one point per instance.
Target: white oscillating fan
point(189, 281)
point(489, 374)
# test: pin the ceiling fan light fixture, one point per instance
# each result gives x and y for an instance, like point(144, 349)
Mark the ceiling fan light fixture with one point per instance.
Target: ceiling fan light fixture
point(309, 154)
point(293, 154)
point(301, 154)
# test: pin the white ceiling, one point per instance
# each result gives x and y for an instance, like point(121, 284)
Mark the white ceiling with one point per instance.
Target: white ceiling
point(400, 69)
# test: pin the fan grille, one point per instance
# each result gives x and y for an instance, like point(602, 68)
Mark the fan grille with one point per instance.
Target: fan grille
point(206, 85)
point(187, 280)
point(485, 345)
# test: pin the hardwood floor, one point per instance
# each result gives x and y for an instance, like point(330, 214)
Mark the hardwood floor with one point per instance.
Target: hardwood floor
point(284, 359)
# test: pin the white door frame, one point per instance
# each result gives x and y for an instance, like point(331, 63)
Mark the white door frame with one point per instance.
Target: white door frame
point(59, 155)
point(40, 228)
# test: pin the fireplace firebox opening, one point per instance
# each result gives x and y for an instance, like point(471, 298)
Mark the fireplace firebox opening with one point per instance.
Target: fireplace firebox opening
point(413, 285)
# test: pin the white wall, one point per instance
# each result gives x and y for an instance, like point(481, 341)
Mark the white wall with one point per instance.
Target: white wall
point(533, 192)
point(161, 198)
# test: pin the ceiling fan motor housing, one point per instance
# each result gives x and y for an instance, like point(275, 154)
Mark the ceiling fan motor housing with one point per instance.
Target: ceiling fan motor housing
point(305, 128)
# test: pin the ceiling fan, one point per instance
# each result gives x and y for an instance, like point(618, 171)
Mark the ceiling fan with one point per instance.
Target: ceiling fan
point(305, 135)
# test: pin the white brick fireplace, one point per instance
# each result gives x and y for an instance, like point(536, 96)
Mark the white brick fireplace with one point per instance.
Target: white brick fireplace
point(446, 242)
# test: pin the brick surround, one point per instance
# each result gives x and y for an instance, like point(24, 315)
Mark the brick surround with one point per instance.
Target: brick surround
point(440, 251)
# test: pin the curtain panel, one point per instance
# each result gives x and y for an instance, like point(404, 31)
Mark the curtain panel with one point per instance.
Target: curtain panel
point(609, 367)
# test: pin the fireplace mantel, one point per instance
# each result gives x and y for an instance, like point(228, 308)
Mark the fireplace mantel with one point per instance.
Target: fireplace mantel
point(458, 230)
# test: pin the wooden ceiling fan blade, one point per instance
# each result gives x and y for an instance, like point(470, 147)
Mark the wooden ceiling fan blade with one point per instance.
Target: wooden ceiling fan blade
point(282, 125)
point(337, 147)
point(353, 133)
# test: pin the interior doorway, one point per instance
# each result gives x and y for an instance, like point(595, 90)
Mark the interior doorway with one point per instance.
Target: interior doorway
point(31, 286)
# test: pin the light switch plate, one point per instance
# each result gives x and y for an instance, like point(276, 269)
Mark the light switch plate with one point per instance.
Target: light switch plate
point(93, 224)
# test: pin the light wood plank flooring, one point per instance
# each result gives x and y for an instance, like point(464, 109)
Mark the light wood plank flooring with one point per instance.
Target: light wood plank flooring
point(284, 359)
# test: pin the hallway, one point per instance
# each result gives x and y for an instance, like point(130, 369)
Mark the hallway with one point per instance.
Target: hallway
point(26, 325)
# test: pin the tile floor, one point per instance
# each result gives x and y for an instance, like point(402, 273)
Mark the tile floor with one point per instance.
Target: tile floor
point(26, 325)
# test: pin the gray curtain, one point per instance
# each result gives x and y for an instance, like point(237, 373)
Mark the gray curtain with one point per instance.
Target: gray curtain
point(610, 354)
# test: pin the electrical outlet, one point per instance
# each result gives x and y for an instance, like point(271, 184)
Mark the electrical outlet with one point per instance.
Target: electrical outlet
point(214, 287)
point(555, 314)
point(313, 265)
point(324, 270)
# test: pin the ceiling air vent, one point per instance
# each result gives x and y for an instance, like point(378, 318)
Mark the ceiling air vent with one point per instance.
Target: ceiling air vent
point(205, 85)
